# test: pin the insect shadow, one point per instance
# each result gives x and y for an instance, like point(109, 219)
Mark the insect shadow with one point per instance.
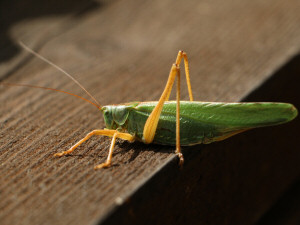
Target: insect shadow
point(139, 147)
point(136, 148)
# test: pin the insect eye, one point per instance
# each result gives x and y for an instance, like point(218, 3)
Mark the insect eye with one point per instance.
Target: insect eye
point(108, 119)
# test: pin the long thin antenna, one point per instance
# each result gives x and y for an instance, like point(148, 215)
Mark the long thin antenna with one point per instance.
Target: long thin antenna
point(51, 89)
point(58, 68)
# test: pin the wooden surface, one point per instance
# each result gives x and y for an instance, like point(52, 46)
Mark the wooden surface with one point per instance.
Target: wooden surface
point(122, 51)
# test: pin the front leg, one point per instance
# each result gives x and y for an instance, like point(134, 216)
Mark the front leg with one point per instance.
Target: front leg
point(111, 133)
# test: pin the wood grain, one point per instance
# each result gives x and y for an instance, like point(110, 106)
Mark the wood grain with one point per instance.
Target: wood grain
point(122, 51)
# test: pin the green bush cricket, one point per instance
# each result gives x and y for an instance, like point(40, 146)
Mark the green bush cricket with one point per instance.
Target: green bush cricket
point(177, 123)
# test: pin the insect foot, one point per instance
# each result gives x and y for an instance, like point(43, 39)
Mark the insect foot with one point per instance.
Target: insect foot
point(181, 159)
point(61, 154)
point(102, 165)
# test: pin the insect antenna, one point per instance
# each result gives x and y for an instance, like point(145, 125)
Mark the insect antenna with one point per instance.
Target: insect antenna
point(51, 89)
point(61, 70)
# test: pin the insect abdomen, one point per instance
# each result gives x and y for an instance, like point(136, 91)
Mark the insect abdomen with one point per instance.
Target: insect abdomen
point(205, 122)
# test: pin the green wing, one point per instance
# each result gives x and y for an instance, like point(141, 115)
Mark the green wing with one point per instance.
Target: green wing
point(240, 115)
point(205, 122)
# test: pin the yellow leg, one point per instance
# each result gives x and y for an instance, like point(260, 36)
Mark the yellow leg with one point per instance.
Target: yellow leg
point(152, 121)
point(182, 54)
point(178, 151)
point(111, 149)
point(111, 133)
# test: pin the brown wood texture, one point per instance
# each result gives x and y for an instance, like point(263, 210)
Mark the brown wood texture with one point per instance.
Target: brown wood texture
point(122, 51)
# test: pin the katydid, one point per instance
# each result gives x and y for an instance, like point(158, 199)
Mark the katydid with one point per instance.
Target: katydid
point(178, 123)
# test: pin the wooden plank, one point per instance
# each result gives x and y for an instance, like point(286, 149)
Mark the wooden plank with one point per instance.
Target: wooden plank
point(122, 51)
point(234, 181)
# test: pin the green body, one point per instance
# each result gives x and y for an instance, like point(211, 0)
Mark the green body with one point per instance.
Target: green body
point(200, 122)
